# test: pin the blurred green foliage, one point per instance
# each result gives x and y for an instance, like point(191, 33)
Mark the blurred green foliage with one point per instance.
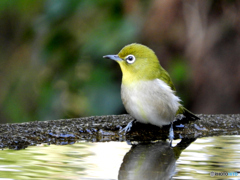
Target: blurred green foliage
point(51, 64)
point(51, 58)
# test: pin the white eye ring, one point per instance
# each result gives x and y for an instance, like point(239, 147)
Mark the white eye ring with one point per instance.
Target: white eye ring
point(130, 59)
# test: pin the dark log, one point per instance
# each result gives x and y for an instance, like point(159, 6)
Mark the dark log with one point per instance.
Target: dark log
point(106, 128)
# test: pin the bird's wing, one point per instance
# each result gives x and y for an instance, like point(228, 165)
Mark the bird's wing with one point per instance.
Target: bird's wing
point(164, 76)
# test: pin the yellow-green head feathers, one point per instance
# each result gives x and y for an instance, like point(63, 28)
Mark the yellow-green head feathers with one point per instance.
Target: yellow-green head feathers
point(138, 62)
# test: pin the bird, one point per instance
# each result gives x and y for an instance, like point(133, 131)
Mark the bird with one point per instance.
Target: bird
point(147, 91)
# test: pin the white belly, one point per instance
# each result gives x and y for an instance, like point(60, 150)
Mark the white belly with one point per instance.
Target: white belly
point(150, 102)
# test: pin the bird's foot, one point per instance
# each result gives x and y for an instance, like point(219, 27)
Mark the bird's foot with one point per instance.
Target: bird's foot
point(127, 128)
point(171, 134)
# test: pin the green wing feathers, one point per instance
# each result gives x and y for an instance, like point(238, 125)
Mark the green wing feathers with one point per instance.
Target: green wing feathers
point(164, 76)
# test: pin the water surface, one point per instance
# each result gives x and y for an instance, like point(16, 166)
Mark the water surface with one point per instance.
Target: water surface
point(118, 160)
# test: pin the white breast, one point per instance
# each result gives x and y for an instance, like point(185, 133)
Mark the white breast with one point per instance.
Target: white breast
point(150, 102)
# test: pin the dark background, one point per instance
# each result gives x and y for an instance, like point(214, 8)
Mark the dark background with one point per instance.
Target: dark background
point(51, 64)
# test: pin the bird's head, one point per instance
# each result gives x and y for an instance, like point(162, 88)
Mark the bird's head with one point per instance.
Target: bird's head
point(137, 62)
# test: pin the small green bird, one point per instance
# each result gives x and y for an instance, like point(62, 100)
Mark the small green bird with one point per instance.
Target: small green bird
point(147, 91)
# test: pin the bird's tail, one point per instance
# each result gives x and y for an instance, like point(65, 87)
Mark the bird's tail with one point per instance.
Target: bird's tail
point(187, 116)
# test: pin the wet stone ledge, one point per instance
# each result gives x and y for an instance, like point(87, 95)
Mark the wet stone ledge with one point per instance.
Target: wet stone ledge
point(106, 128)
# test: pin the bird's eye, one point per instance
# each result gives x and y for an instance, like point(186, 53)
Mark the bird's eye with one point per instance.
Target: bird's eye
point(130, 59)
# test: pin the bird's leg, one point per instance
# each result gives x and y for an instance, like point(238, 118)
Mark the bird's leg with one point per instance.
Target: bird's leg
point(128, 127)
point(171, 134)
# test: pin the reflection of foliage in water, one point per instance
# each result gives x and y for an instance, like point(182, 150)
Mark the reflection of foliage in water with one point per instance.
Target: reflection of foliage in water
point(51, 162)
point(103, 160)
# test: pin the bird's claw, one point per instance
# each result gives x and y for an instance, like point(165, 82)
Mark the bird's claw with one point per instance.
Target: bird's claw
point(127, 128)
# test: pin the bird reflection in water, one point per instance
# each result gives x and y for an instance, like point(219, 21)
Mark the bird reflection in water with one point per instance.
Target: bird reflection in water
point(155, 161)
